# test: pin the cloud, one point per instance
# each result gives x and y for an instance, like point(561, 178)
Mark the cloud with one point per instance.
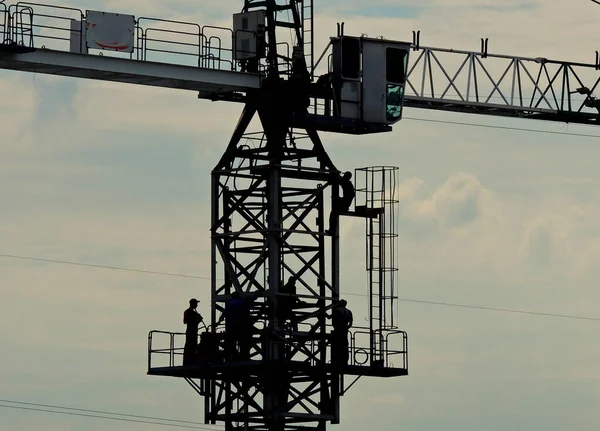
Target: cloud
point(458, 215)
point(547, 239)
point(460, 229)
point(459, 201)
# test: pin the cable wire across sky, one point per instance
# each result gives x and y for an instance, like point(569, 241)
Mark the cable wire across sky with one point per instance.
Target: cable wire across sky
point(418, 301)
point(490, 126)
point(101, 412)
point(164, 422)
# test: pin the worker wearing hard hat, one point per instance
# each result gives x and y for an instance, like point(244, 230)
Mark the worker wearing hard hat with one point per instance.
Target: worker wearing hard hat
point(192, 319)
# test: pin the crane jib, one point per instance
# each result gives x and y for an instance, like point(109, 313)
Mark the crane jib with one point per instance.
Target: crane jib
point(223, 64)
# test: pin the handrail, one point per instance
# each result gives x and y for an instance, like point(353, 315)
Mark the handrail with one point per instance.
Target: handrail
point(359, 348)
point(170, 351)
point(384, 353)
point(36, 25)
point(3, 22)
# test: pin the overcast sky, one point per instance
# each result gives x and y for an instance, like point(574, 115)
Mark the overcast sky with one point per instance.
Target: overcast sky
point(118, 175)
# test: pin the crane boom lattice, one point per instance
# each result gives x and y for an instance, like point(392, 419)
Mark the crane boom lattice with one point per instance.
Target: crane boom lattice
point(503, 85)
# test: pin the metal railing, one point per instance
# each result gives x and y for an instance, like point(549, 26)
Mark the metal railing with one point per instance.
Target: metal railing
point(51, 23)
point(165, 349)
point(362, 354)
point(3, 21)
point(35, 25)
point(169, 356)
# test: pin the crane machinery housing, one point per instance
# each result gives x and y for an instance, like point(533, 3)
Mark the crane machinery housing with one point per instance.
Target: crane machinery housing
point(274, 190)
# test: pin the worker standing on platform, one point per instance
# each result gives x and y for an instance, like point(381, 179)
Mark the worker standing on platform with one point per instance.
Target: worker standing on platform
point(341, 204)
point(341, 320)
point(287, 303)
point(192, 319)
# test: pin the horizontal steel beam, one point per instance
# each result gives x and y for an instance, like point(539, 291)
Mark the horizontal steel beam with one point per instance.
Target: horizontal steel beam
point(124, 70)
point(500, 110)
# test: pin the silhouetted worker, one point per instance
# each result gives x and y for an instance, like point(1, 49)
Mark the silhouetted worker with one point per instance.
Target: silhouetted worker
point(341, 320)
point(299, 81)
point(300, 71)
point(341, 204)
point(192, 319)
point(238, 326)
point(324, 89)
point(286, 304)
point(324, 82)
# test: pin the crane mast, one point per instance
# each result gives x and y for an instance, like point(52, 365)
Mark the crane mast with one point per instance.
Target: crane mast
point(275, 238)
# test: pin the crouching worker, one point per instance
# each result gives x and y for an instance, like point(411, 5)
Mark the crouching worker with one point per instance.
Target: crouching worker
point(341, 204)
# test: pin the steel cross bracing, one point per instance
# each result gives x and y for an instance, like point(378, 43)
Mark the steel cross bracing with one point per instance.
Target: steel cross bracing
point(267, 227)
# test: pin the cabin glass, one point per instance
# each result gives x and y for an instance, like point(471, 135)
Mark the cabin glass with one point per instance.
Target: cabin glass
point(396, 68)
point(394, 102)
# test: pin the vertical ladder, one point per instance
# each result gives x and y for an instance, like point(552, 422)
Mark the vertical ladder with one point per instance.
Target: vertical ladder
point(308, 34)
point(375, 192)
point(375, 251)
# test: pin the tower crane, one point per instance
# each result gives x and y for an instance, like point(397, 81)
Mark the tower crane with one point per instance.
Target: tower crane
point(271, 190)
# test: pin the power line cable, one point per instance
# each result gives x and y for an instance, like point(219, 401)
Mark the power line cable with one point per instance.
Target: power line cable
point(105, 417)
point(446, 304)
point(505, 310)
point(104, 412)
point(116, 268)
point(489, 126)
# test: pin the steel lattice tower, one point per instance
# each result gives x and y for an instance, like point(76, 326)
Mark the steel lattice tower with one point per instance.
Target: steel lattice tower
point(268, 225)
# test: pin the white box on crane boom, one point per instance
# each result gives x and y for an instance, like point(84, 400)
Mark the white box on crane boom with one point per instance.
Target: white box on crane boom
point(249, 35)
point(110, 31)
point(103, 30)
